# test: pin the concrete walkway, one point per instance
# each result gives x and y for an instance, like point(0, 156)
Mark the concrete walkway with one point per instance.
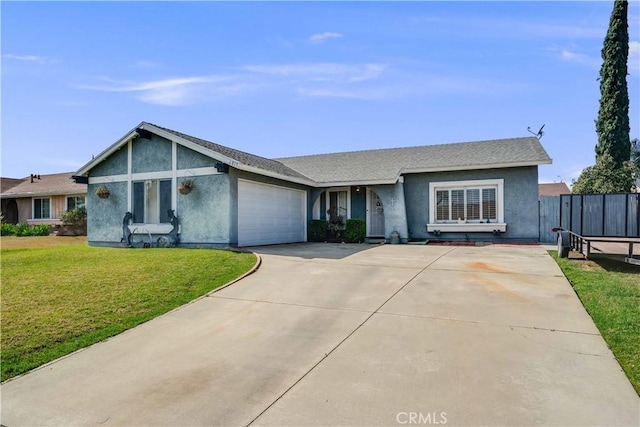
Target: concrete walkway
point(329, 334)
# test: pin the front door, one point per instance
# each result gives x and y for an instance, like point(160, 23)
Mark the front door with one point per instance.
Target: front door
point(375, 215)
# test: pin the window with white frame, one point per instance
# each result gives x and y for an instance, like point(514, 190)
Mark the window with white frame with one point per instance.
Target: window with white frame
point(151, 201)
point(42, 208)
point(75, 202)
point(470, 201)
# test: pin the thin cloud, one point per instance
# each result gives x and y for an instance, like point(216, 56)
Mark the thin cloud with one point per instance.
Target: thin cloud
point(366, 81)
point(498, 27)
point(364, 94)
point(323, 37)
point(169, 92)
point(633, 61)
point(28, 58)
point(579, 58)
point(321, 71)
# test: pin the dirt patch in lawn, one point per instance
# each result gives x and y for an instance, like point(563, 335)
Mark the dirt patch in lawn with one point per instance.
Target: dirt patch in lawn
point(30, 242)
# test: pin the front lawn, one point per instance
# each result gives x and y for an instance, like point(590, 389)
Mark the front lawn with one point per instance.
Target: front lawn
point(59, 298)
point(610, 291)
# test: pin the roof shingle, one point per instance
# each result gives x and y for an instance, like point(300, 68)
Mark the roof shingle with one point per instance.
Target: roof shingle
point(59, 183)
point(240, 156)
point(388, 164)
point(553, 189)
point(380, 166)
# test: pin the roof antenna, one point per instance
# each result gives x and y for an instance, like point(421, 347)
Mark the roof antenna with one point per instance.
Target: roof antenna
point(538, 135)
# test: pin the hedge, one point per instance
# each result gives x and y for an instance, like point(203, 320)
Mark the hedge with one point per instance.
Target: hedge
point(356, 230)
point(25, 230)
point(317, 231)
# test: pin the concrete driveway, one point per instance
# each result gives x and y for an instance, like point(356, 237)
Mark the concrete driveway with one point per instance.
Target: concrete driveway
point(329, 334)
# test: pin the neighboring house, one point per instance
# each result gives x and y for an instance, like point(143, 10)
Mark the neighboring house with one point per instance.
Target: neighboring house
point(553, 189)
point(477, 190)
point(9, 215)
point(41, 199)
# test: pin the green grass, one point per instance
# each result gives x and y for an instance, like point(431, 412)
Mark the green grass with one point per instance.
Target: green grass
point(610, 291)
point(58, 299)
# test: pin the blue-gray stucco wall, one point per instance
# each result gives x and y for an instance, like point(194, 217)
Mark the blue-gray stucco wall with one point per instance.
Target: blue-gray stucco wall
point(115, 164)
point(188, 159)
point(104, 216)
point(520, 203)
point(204, 213)
point(395, 209)
point(150, 155)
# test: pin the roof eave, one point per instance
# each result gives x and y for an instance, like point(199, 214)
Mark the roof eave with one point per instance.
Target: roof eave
point(222, 158)
point(109, 151)
point(253, 169)
point(41, 194)
point(476, 167)
point(354, 183)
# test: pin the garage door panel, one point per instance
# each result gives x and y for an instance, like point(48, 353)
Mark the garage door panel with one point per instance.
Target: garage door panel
point(269, 214)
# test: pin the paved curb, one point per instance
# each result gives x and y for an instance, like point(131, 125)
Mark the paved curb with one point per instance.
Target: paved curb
point(255, 268)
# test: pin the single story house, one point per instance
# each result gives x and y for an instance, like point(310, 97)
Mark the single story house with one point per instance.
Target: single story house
point(553, 189)
point(41, 199)
point(486, 190)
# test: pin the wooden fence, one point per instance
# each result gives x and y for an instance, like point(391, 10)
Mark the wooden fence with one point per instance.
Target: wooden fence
point(590, 215)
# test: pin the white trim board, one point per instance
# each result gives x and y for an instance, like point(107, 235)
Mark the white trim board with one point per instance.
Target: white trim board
point(182, 173)
point(467, 227)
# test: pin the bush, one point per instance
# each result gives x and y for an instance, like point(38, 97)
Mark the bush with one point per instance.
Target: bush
point(40, 230)
point(356, 230)
point(77, 216)
point(8, 229)
point(22, 230)
point(317, 231)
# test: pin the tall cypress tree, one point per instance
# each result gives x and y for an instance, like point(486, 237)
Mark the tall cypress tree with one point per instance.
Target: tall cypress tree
point(612, 125)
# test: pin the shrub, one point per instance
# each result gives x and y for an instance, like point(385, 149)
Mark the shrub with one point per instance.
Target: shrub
point(40, 230)
point(22, 230)
point(317, 230)
point(8, 229)
point(356, 230)
point(77, 216)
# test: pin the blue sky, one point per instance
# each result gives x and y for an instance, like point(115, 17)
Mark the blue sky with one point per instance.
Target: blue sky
point(282, 79)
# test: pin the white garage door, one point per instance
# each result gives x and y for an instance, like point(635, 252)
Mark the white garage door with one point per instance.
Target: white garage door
point(268, 214)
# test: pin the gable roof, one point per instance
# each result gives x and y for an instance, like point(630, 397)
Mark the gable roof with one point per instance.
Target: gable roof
point(7, 183)
point(236, 158)
point(386, 165)
point(47, 185)
point(381, 166)
point(239, 156)
point(553, 189)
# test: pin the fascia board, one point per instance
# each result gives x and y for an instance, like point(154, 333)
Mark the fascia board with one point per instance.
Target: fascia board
point(190, 145)
point(476, 167)
point(106, 153)
point(276, 175)
point(43, 194)
point(222, 158)
point(356, 183)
